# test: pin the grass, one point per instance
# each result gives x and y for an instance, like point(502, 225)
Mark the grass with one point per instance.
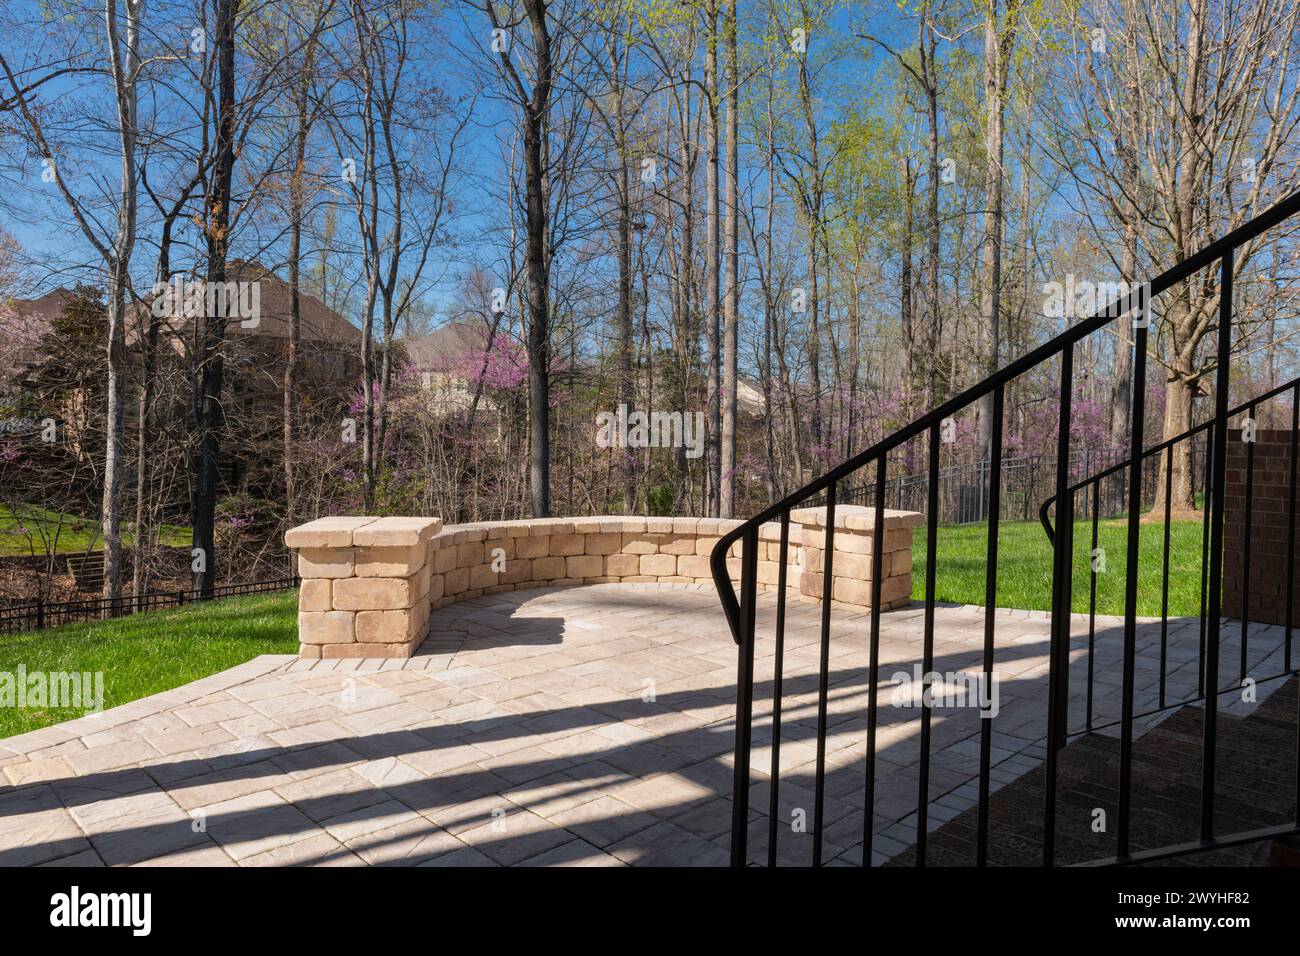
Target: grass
point(152, 652)
point(1025, 566)
point(28, 530)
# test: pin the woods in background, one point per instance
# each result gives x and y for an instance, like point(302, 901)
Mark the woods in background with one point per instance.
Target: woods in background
point(800, 222)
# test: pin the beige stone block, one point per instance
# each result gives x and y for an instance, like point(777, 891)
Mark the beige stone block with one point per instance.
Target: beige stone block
point(325, 563)
point(623, 565)
point(564, 545)
point(552, 525)
point(567, 582)
point(349, 651)
point(705, 545)
point(309, 651)
point(437, 582)
point(604, 542)
point(376, 594)
point(693, 566)
point(853, 543)
point(396, 532)
point(851, 591)
point(325, 627)
point(444, 559)
point(898, 588)
point(678, 544)
point(315, 595)
point(810, 559)
point(897, 540)
point(517, 571)
point(849, 565)
point(498, 588)
point(468, 555)
point(810, 583)
point(768, 572)
point(640, 579)
point(455, 581)
point(387, 627)
point(548, 569)
point(333, 532)
point(641, 543)
point(482, 576)
point(658, 565)
point(584, 565)
point(659, 525)
point(396, 562)
point(899, 562)
point(538, 546)
point(598, 524)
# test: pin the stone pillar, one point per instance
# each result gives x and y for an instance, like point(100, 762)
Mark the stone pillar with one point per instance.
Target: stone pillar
point(854, 549)
point(365, 585)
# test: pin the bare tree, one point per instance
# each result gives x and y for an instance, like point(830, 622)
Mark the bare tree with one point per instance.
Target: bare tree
point(122, 33)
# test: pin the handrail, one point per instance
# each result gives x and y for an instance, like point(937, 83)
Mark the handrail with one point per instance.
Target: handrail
point(1155, 449)
point(741, 614)
point(1137, 298)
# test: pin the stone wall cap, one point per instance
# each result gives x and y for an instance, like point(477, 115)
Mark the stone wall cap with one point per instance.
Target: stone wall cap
point(331, 532)
point(396, 531)
point(857, 518)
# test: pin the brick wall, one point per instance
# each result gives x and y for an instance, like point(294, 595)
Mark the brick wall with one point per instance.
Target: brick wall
point(1271, 503)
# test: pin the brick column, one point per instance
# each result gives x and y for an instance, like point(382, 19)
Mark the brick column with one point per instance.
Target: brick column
point(1270, 508)
point(854, 542)
point(365, 585)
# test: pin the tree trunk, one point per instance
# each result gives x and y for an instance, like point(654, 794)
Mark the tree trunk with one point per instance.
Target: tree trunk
point(711, 260)
point(538, 266)
point(732, 235)
point(211, 417)
point(995, 55)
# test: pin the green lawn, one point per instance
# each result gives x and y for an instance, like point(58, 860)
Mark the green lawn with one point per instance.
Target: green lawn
point(1025, 566)
point(29, 530)
point(149, 653)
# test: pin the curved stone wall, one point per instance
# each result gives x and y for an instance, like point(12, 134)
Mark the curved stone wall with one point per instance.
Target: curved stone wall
point(369, 584)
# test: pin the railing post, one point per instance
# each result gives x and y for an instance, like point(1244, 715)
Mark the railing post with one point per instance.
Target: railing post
point(1060, 628)
point(744, 698)
point(823, 677)
point(1138, 415)
point(1215, 596)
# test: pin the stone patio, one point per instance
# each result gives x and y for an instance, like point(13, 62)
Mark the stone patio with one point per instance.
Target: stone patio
point(580, 726)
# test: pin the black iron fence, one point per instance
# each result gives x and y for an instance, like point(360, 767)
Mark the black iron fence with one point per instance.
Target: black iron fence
point(964, 489)
point(38, 615)
point(870, 469)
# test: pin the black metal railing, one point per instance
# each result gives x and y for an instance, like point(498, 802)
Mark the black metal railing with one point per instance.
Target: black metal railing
point(1090, 488)
point(741, 613)
point(38, 615)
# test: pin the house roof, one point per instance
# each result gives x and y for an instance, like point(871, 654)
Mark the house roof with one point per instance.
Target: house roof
point(444, 347)
point(25, 320)
point(318, 322)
